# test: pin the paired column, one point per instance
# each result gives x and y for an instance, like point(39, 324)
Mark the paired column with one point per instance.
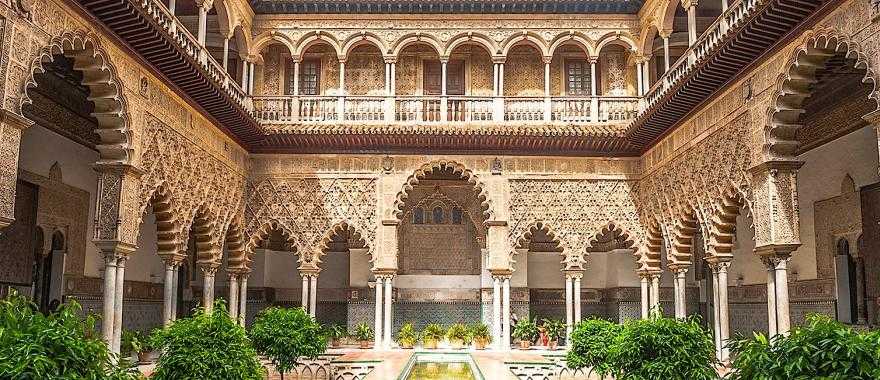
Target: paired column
point(115, 254)
point(379, 321)
point(309, 290)
point(233, 295)
point(444, 101)
point(242, 298)
point(666, 58)
point(720, 266)
point(569, 303)
point(548, 106)
point(691, 6)
point(250, 82)
point(387, 310)
point(496, 311)
point(644, 282)
point(340, 107)
point(170, 287)
point(209, 270)
point(640, 81)
point(501, 309)
point(679, 288)
point(498, 90)
point(650, 287)
point(777, 294)
point(390, 68)
point(505, 312)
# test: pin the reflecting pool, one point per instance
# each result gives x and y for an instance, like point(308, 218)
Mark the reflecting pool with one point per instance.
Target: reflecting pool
point(437, 366)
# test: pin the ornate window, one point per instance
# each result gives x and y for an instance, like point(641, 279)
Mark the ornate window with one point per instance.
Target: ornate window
point(438, 215)
point(456, 215)
point(418, 216)
point(577, 73)
point(309, 77)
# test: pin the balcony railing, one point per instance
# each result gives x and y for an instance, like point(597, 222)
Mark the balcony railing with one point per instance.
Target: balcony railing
point(731, 19)
point(190, 44)
point(438, 109)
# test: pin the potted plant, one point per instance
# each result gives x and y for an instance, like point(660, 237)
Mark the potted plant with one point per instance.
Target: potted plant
point(407, 336)
point(364, 334)
point(457, 335)
point(479, 334)
point(526, 331)
point(554, 328)
point(432, 334)
point(335, 333)
point(131, 343)
point(286, 336)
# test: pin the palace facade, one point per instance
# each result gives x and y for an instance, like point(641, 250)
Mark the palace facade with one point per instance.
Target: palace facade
point(443, 161)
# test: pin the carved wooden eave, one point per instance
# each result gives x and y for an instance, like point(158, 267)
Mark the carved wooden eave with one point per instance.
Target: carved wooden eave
point(771, 23)
point(145, 28)
point(445, 6)
point(528, 139)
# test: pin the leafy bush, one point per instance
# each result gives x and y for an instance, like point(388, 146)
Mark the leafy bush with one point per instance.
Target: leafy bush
point(335, 332)
point(591, 342)
point(822, 349)
point(208, 345)
point(434, 332)
point(363, 332)
point(61, 345)
point(286, 335)
point(407, 336)
point(457, 332)
point(525, 330)
point(555, 328)
point(662, 348)
point(479, 332)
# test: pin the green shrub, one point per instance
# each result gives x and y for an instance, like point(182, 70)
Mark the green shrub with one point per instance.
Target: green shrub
point(525, 330)
point(208, 345)
point(458, 332)
point(286, 335)
point(662, 348)
point(407, 336)
point(591, 341)
point(335, 332)
point(555, 328)
point(363, 332)
point(434, 332)
point(479, 331)
point(61, 345)
point(822, 349)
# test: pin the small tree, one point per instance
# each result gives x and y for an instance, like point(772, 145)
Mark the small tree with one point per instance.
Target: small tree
point(822, 349)
point(209, 345)
point(591, 341)
point(663, 348)
point(60, 345)
point(286, 336)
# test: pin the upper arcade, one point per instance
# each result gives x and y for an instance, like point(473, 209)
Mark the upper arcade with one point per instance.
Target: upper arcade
point(557, 77)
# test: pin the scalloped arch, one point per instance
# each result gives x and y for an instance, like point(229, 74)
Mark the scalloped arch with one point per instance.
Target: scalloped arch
point(105, 91)
point(549, 230)
point(463, 173)
point(261, 234)
point(793, 87)
point(338, 228)
point(167, 221)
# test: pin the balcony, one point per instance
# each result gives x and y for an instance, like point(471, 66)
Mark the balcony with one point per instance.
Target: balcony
point(562, 110)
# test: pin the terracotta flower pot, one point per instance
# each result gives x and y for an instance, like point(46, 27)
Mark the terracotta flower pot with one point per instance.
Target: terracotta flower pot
point(429, 343)
point(335, 343)
point(480, 343)
point(456, 344)
point(405, 345)
point(553, 345)
point(525, 345)
point(365, 344)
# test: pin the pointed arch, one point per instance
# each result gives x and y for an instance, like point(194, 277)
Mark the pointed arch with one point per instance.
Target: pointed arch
point(339, 228)
point(526, 37)
point(794, 86)
point(474, 39)
point(105, 91)
point(415, 38)
point(363, 38)
point(234, 244)
point(262, 233)
point(682, 233)
point(722, 224)
point(574, 38)
point(203, 226)
point(463, 173)
point(167, 221)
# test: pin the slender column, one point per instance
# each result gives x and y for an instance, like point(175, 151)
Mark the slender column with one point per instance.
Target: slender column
point(250, 84)
point(639, 80)
point(569, 301)
point(444, 101)
point(546, 78)
point(783, 320)
point(593, 91)
point(577, 298)
point(377, 344)
point(118, 303)
point(174, 300)
point(342, 77)
point(496, 311)
point(208, 289)
point(168, 295)
point(771, 298)
point(646, 75)
point(233, 295)
point(501, 79)
point(646, 307)
point(305, 292)
point(495, 80)
point(172, 4)
point(313, 294)
point(594, 102)
point(386, 329)
point(110, 260)
point(242, 299)
point(665, 53)
point(296, 77)
point(443, 77)
point(655, 290)
point(505, 295)
point(244, 75)
point(861, 309)
point(387, 78)
point(548, 105)
point(680, 294)
point(225, 53)
point(723, 315)
point(716, 312)
point(203, 25)
point(692, 22)
point(393, 78)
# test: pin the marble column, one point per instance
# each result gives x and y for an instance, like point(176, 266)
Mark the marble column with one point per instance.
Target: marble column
point(679, 284)
point(716, 312)
point(569, 301)
point(505, 312)
point(646, 301)
point(169, 287)
point(386, 329)
point(225, 53)
point(174, 299)
point(496, 311)
point(242, 299)
point(209, 272)
point(723, 311)
point(203, 24)
point(233, 295)
point(577, 298)
point(655, 291)
point(378, 336)
point(783, 319)
point(640, 86)
point(118, 303)
point(313, 294)
point(110, 260)
point(771, 298)
point(861, 302)
point(305, 292)
point(692, 22)
point(665, 53)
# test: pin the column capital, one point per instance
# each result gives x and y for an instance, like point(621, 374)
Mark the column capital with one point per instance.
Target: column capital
point(547, 59)
point(499, 59)
point(775, 252)
point(677, 268)
point(574, 274)
point(776, 166)
point(664, 33)
point(717, 261)
point(120, 169)
point(209, 268)
point(114, 249)
point(689, 3)
point(501, 274)
point(173, 260)
point(389, 59)
point(14, 120)
point(444, 59)
point(648, 274)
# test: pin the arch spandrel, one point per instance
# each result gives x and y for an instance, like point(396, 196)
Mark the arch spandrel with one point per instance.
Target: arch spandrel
point(480, 188)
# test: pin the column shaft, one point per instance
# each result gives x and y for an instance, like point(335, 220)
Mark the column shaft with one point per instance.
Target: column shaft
point(174, 299)
point(208, 290)
point(547, 79)
point(505, 295)
point(378, 336)
point(665, 54)
point(716, 313)
point(783, 320)
point(771, 298)
point(118, 303)
point(569, 310)
point(109, 297)
point(313, 294)
point(639, 80)
point(593, 77)
point(646, 302)
point(577, 300)
point(680, 294)
point(225, 53)
point(386, 329)
point(295, 78)
point(495, 80)
point(250, 84)
point(723, 317)
point(655, 291)
point(203, 25)
point(168, 295)
point(305, 293)
point(242, 300)
point(233, 296)
point(692, 25)
point(496, 312)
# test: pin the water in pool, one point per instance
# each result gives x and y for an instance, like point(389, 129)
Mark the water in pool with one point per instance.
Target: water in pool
point(441, 371)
